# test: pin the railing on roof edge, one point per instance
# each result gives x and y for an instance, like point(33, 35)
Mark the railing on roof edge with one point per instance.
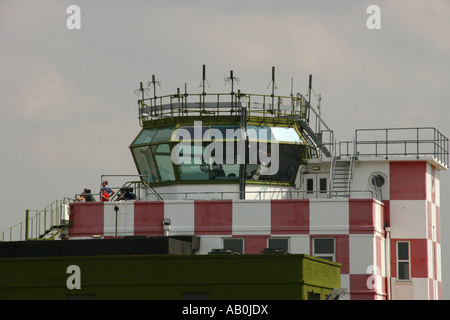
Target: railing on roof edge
point(414, 142)
point(265, 106)
point(40, 224)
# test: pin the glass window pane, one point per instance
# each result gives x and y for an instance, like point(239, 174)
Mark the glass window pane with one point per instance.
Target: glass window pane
point(163, 134)
point(403, 270)
point(285, 134)
point(403, 250)
point(259, 133)
point(323, 246)
point(164, 162)
point(145, 136)
point(230, 132)
point(310, 185)
point(145, 164)
point(191, 165)
point(286, 162)
point(275, 243)
point(235, 245)
point(190, 132)
point(231, 172)
point(323, 185)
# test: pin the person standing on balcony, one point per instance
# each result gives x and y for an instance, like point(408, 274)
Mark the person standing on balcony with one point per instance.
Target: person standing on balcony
point(105, 194)
point(107, 188)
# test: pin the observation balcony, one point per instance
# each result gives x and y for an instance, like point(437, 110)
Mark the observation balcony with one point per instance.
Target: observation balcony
point(258, 108)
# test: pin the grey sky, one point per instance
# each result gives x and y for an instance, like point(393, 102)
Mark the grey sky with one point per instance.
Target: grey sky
point(68, 112)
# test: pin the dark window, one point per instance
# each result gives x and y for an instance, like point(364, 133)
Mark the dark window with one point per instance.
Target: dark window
point(310, 185)
point(313, 296)
point(324, 248)
point(278, 243)
point(323, 185)
point(235, 245)
point(403, 261)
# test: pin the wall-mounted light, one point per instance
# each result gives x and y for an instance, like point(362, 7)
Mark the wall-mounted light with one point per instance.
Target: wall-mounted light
point(166, 226)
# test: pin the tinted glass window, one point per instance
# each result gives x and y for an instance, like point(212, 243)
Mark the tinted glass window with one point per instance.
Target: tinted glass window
point(236, 245)
point(145, 136)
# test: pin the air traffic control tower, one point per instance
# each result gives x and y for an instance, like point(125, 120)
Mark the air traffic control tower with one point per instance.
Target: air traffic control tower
point(223, 145)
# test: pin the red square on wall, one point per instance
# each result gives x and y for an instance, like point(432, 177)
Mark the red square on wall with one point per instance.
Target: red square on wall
point(213, 217)
point(290, 216)
point(148, 218)
point(408, 180)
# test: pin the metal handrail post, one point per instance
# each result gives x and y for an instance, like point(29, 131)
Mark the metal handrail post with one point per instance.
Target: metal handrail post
point(417, 143)
point(27, 213)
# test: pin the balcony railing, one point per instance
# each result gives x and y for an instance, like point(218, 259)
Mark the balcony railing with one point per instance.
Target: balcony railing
point(401, 142)
point(224, 104)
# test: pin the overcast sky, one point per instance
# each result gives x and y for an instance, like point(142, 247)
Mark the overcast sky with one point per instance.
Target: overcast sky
point(68, 109)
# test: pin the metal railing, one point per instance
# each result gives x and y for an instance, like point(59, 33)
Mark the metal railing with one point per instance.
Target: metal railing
point(224, 104)
point(269, 195)
point(40, 224)
point(408, 142)
point(141, 190)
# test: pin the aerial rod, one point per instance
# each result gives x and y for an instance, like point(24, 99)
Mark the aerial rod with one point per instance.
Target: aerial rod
point(310, 88)
point(231, 79)
point(140, 90)
point(154, 83)
point(204, 81)
point(204, 78)
point(273, 87)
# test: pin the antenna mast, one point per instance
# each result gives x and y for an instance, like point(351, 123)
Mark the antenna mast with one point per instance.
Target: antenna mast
point(154, 83)
point(273, 88)
point(141, 90)
point(202, 84)
point(232, 79)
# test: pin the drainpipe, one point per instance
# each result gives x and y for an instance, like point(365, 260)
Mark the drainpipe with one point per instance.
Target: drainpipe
point(388, 261)
point(116, 209)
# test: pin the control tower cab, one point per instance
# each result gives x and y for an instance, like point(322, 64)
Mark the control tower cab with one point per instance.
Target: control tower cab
point(223, 145)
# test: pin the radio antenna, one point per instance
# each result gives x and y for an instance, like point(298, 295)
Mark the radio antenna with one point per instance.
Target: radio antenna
point(273, 87)
point(141, 91)
point(232, 79)
point(204, 81)
point(154, 83)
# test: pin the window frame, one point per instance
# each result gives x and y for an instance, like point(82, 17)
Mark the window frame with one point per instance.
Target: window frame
point(324, 255)
point(234, 239)
point(398, 260)
point(323, 187)
point(279, 238)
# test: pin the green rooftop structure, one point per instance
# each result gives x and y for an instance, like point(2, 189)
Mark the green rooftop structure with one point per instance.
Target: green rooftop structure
point(169, 277)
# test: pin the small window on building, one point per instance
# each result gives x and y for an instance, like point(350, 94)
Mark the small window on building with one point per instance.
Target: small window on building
point(324, 248)
point(377, 180)
point(323, 185)
point(235, 245)
point(313, 296)
point(309, 185)
point(278, 243)
point(403, 261)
